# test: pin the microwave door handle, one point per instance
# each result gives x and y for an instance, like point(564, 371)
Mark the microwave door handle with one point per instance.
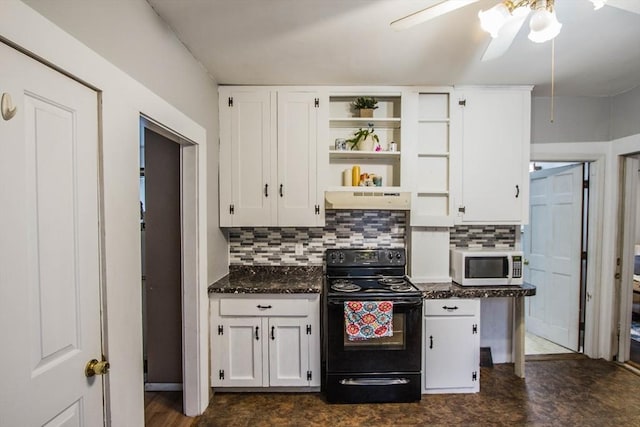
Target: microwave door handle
point(510, 267)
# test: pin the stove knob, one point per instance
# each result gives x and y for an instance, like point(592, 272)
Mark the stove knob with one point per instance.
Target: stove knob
point(341, 255)
point(398, 256)
point(333, 256)
point(390, 255)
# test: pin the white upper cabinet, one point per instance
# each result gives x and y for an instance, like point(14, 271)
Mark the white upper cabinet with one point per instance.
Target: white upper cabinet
point(297, 159)
point(429, 156)
point(269, 157)
point(493, 166)
point(247, 157)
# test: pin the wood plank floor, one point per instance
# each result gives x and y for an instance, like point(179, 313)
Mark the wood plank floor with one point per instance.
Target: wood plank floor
point(164, 409)
point(567, 391)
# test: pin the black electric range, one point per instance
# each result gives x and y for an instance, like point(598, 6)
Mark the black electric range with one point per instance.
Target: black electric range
point(384, 369)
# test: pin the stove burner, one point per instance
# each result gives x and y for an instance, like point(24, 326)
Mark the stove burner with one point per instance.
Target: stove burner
point(389, 281)
point(404, 287)
point(345, 286)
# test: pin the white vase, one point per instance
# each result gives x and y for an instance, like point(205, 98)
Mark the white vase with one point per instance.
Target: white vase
point(367, 144)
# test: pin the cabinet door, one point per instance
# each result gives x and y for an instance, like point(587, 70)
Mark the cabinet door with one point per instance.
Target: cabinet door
point(451, 353)
point(288, 351)
point(247, 158)
point(237, 341)
point(495, 155)
point(297, 159)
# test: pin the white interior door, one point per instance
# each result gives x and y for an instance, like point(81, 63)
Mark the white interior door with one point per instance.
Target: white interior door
point(49, 249)
point(552, 247)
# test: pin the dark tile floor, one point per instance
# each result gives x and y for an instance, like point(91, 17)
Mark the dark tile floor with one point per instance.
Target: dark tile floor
point(569, 392)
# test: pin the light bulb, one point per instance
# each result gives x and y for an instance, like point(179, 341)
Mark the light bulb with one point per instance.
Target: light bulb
point(544, 26)
point(493, 20)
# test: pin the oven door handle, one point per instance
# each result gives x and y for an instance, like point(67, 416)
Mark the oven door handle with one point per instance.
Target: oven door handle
point(374, 381)
point(400, 303)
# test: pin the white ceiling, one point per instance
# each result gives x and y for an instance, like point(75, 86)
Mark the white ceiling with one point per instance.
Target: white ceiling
point(339, 42)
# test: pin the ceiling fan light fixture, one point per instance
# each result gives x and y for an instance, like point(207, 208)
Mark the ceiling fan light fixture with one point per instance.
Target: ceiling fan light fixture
point(597, 4)
point(492, 20)
point(544, 23)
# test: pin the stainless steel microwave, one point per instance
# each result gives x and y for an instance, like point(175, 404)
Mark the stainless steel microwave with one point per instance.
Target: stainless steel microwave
point(486, 267)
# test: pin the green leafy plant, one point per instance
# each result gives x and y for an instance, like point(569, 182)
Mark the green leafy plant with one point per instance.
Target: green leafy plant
point(361, 135)
point(365, 102)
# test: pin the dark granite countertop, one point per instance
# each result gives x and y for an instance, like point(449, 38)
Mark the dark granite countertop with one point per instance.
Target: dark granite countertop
point(270, 280)
point(453, 290)
point(309, 280)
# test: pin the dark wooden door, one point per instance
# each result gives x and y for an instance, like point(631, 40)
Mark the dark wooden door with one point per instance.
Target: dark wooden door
point(163, 266)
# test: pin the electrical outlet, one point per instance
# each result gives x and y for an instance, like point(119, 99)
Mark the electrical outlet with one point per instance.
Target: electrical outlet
point(298, 248)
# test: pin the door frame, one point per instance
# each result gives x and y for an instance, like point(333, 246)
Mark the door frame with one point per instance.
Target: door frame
point(191, 373)
point(122, 100)
point(629, 165)
point(595, 232)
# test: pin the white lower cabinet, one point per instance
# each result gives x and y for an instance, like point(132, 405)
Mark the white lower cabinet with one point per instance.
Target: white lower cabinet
point(451, 342)
point(268, 341)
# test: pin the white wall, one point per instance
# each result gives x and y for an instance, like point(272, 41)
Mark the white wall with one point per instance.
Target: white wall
point(130, 35)
point(576, 119)
point(123, 101)
point(625, 114)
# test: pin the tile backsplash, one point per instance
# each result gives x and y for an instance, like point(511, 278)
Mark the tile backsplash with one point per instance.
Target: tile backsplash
point(277, 245)
point(483, 236)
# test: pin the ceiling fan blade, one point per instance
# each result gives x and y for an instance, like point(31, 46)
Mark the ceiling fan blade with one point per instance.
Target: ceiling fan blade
point(498, 46)
point(628, 5)
point(431, 12)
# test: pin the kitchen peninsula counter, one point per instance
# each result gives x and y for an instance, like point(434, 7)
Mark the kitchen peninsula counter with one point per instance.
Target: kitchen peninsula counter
point(452, 290)
point(270, 280)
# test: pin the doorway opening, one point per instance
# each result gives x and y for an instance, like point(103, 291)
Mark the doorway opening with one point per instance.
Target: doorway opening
point(628, 261)
point(169, 249)
point(555, 245)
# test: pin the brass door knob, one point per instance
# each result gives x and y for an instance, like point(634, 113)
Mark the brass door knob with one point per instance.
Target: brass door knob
point(95, 367)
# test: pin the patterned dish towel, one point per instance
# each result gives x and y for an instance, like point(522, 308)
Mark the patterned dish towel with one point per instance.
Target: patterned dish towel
point(368, 319)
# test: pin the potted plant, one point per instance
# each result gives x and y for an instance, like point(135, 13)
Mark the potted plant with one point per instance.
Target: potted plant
point(365, 105)
point(364, 140)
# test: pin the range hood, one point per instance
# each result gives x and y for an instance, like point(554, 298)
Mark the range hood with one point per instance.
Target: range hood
point(377, 200)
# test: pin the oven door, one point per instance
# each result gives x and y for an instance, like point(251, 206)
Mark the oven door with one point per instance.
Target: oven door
point(397, 353)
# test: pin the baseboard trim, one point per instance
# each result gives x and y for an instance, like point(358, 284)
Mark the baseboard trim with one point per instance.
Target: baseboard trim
point(163, 387)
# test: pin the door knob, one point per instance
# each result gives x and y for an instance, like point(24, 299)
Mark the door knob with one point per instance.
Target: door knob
point(94, 367)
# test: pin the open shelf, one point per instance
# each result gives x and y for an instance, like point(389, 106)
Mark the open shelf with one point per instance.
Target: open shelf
point(357, 154)
point(363, 122)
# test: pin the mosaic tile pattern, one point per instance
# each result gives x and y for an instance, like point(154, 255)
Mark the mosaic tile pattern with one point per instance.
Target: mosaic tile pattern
point(483, 236)
point(277, 245)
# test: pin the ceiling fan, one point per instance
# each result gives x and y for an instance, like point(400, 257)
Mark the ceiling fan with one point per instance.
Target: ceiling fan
point(504, 20)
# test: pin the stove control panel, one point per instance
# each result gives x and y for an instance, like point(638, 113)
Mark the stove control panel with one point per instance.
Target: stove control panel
point(366, 257)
